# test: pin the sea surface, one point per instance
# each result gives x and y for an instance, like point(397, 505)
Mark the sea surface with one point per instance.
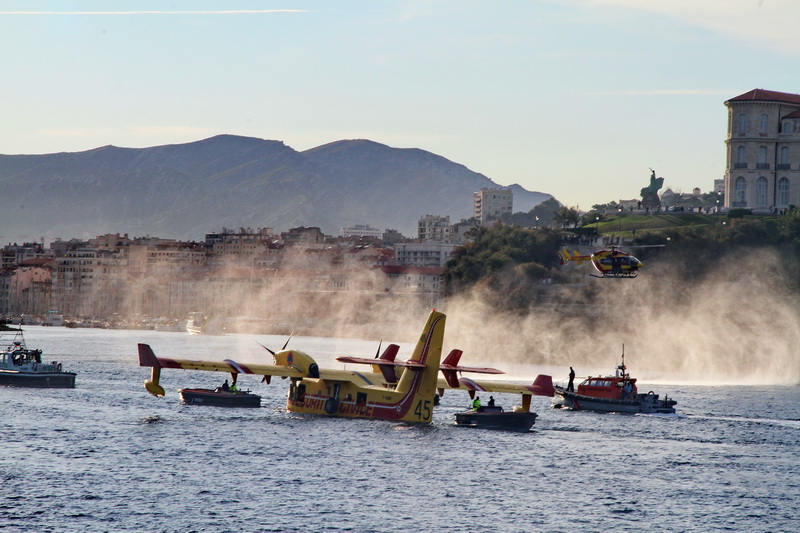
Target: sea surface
point(107, 456)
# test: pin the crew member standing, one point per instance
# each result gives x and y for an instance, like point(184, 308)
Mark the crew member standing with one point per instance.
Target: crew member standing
point(571, 384)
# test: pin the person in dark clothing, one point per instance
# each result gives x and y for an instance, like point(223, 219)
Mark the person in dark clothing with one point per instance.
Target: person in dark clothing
point(225, 386)
point(571, 384)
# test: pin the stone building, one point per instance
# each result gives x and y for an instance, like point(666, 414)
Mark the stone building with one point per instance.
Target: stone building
point(763, 151)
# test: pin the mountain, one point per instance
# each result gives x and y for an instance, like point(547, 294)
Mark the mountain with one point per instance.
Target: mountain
point(186, 190)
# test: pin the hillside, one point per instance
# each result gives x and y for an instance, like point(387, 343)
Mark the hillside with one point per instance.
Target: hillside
point(185, 190)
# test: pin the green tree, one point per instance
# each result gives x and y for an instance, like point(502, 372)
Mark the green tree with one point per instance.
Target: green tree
point(567, 217)
point(506, 259)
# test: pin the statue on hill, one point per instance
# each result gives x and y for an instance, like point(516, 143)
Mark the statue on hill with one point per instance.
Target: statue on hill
point(650, 193)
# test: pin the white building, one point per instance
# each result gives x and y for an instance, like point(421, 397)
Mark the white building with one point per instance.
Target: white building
point(360, 230)
point(423, 254)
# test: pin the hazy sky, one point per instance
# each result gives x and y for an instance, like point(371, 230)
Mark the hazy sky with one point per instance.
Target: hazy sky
point(576, 98)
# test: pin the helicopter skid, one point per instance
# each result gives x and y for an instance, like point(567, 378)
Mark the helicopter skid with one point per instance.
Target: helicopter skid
point(618, 276)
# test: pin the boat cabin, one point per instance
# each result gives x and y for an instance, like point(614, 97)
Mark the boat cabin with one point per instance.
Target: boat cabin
point(17, 353)
point(611, 387)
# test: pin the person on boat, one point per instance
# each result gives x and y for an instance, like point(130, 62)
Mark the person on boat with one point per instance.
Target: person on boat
point(476, 403)
point(225, 387)
point(571, 384)
point(491, 401)
point(233, 387)
point(627, 389)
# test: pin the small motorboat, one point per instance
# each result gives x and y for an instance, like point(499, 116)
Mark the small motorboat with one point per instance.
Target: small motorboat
point(22, 367)
point(494, 417)
point(617, 393)
point(219, 398)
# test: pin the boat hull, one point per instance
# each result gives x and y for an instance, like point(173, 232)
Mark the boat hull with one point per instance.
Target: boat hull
point(219, 398)
point(44, 380)
point(510, 421)
point(643, 403)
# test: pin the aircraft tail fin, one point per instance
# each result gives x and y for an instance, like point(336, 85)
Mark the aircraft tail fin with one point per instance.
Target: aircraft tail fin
point(543, 385)
point(453, 357)
point(451, 360)
point(388, 371)
point(428, 352)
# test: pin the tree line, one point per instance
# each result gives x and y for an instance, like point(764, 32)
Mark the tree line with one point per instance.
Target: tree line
point(512, 262)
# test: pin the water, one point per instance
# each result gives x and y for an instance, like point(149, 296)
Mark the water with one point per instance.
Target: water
point(107, 456)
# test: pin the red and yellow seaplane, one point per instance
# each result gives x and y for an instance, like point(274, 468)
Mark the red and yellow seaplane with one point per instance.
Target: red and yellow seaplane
point(395, 390)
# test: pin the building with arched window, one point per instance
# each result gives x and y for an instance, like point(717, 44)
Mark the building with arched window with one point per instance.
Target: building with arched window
point(763, 145)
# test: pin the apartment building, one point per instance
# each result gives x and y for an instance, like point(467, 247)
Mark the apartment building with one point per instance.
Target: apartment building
point(490, 204)
point(361, 230)
point(763, 151)
point(423, 254)
point(435, 228)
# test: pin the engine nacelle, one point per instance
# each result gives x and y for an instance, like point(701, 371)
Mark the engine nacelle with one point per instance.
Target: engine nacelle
point(300, 361)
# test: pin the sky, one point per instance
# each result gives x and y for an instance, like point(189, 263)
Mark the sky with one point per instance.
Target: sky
point(574, 98)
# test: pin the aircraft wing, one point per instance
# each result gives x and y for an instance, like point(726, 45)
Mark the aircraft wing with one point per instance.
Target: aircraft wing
point(365, 361)
point(542, 386)
point(148, 358)
point(296, 365)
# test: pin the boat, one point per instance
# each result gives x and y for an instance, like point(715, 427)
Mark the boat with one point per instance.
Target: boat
point(495, 417)
point(22, 367)
point(617, 393)
point(219, 398)
point(200, 324)
point(53, 318)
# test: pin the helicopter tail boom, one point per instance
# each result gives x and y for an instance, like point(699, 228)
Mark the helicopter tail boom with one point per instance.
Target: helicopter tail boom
point(566, 257)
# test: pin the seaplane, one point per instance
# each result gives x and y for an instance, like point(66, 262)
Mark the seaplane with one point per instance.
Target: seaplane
point(394, 390)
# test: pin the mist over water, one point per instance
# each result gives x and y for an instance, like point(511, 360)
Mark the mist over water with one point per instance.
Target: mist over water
point(739, 325)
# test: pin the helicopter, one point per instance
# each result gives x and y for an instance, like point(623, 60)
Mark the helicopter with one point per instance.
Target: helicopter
point(610, 263)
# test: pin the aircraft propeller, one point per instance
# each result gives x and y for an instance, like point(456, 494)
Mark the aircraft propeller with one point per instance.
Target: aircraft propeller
point(266, 378)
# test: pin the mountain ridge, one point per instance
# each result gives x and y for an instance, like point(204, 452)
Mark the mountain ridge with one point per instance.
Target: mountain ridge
point(186, 190)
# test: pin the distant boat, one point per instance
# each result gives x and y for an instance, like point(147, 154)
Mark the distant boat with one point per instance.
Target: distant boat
point(53, 318)
point(21, 367)
point(200, 324)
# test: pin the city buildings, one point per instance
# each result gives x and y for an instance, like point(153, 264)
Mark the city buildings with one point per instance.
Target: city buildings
point(295, 276)
point(763, 151)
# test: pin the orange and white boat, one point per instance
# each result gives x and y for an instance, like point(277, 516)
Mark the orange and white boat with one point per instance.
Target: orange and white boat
point(617, 393)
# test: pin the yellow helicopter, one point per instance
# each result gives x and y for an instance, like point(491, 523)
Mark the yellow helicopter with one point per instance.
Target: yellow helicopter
point(609, 263)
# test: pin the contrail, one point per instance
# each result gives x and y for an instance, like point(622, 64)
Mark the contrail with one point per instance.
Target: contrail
point(221, 12)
